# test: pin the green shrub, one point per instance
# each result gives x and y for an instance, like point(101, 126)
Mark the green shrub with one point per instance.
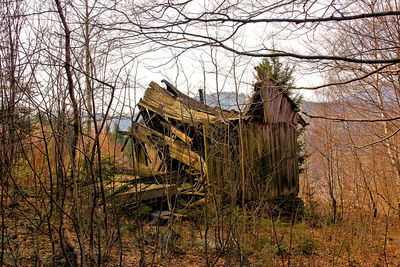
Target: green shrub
point(307, 245)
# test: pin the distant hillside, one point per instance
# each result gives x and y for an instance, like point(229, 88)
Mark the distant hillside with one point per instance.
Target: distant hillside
point(308, 106)
point(123, 122)
point(227, 100)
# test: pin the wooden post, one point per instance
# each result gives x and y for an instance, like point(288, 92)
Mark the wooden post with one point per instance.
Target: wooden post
point(201, 95)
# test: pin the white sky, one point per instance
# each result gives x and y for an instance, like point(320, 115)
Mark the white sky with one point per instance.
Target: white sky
point(206, 68)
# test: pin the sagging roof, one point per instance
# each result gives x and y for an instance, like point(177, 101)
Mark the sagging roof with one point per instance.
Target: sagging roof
point(272, 104)
point(275, 105)
point(176, 105)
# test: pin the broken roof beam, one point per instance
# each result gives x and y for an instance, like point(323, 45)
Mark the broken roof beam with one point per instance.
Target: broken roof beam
point(159, 101)
point(182, 107)
point(177, 149)
point(142, 170)
point(142, 192)
point(178, 133)
point(162, 125)
point(194, 104)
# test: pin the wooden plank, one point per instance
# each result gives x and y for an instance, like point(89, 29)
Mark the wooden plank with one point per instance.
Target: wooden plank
point(289, 142)
point(221, 114)
point(286, 111)
point(295, 160)
point(143, 192)
point(278, 107)
point(268, 155)
point(177, 149)
point(282, 137)
point(160, 101)
point(272, 104)
point(278, 159)
point(266, 104)
point(178, 133)
point(141, 170)
point(273, 159)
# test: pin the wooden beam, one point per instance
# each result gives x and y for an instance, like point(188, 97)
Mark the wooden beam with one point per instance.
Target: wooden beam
point(177, 149)
point(181, 135)
point(143, 192)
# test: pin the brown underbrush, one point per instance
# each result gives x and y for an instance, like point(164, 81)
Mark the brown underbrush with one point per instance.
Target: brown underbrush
point(199, 240)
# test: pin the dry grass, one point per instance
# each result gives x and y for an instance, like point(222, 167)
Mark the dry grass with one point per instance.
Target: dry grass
point(355, 241)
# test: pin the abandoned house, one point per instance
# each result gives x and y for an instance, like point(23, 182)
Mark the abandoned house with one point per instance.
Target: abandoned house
point(182, 145)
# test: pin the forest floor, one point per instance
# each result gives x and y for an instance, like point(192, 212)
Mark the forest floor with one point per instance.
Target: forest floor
point(358, 241)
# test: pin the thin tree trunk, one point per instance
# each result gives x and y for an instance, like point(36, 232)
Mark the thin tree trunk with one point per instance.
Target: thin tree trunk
point(76, 125)
point(388, 145)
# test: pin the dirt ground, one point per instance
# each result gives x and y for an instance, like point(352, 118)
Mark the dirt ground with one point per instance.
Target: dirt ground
point(362, 241)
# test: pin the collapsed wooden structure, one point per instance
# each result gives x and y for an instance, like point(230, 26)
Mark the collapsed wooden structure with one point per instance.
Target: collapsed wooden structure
point(184, 145)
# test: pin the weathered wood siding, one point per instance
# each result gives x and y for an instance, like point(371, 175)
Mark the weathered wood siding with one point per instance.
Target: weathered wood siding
point(223, 165)
point(275, 105)
point(270, 160)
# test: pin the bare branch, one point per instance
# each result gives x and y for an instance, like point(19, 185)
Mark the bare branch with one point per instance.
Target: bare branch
point(380, 140)
point(350, 119)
